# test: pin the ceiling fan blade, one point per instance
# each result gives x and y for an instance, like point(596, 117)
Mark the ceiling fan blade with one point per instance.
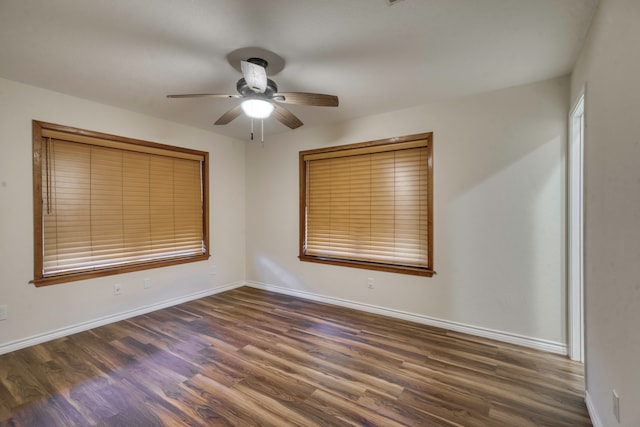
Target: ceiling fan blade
point(286, 117)
point(204, 95)
point(302, 98)
point(255, 75)
point(229, 115)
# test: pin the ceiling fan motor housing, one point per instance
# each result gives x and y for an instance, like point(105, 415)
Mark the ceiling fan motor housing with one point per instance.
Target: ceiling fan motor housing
point(244, 89)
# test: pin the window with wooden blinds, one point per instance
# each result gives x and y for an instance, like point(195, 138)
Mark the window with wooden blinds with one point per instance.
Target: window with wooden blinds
point(106, 204)
point(369, 205)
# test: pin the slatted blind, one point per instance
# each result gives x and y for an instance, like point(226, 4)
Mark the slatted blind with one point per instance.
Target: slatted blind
point(108, 204)
point(369, 204)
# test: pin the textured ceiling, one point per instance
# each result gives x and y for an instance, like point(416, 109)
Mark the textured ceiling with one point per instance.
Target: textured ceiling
point(374, 56)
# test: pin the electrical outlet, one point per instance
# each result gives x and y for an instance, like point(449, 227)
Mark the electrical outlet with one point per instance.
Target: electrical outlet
point(213, 271)
point(370, 283)
point(616, 405)
point(147, 283)
point(4, 312)
point(117, 289)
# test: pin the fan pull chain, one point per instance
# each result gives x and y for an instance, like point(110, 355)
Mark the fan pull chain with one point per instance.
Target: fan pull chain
point(262, 132)
point(252, 128)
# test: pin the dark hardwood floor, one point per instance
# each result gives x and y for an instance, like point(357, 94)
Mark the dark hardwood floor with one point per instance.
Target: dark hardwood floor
point(249, 357)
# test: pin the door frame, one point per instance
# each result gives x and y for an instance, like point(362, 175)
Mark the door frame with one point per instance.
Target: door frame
point(575, 227)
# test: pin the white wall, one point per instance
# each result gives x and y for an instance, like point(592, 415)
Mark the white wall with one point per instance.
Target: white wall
point(609, 66)
point(34, 311)
point(499, 213)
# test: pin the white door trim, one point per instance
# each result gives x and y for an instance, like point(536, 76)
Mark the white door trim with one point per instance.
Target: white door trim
point(575, 227)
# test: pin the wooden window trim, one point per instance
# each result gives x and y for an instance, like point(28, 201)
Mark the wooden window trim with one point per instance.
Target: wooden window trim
point(41, 130)
point(390, 144)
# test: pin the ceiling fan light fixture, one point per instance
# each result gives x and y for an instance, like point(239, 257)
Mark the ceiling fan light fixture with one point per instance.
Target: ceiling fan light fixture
point(257, 108)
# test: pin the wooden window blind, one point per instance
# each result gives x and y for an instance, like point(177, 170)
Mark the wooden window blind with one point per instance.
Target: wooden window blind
point(369, 205)
point(107, 204)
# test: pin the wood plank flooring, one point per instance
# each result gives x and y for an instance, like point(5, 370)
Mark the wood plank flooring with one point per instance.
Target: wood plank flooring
point(253, 358)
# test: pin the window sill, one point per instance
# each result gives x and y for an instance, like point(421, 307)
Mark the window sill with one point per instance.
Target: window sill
point(401, 269)
point(72, 277)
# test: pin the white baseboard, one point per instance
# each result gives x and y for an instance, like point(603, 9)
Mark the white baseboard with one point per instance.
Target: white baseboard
point(593, 412)
point(80, 327)
point(536, 343)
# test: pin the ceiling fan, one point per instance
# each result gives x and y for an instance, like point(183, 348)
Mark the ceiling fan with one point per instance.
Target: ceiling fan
point(260, 97)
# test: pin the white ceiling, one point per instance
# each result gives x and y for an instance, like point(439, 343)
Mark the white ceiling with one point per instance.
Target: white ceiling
point(375, 57)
